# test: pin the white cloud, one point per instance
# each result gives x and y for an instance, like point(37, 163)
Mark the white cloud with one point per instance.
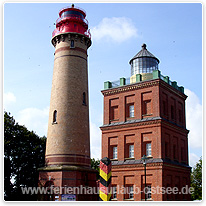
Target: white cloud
point(193, 159)
point(9, 98)
point(95, 141)
point(37, 120)
point(34, 119)
point(194, 119)
point(117, 29)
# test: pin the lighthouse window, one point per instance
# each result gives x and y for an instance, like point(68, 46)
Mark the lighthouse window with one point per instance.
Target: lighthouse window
point(115, 152)
point(131, 110)
point(131, 151)
point(55, 116)
point(148, 192)
point(131, 192)
point(148, 149)
point(143, 65)
point(114, 190)
point(72, 44)
point(84, 99)
point(72, 13)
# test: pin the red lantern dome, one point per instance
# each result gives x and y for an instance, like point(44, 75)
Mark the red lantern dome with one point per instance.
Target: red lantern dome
point(71, 19)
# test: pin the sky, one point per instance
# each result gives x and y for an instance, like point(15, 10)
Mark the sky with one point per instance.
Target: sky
point(172, 32)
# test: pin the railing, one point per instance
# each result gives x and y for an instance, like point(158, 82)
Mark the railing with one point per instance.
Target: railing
point(127, 81)
point(117, 83)
point(55, 32)
point(162, 77)
point(166, 79)
point(87, 33)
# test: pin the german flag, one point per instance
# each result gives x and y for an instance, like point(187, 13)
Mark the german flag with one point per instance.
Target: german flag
point(105, 180)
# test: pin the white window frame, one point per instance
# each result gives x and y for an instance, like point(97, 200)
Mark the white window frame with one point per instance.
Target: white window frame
point(149, 193)
point(115, 152)
point(131, 151)
point(131, 192)
point(131, 110)
point(114, 192)
point(149, 149)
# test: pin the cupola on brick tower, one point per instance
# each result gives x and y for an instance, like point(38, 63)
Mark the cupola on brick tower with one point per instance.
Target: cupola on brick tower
point(145, 115)
point(68, 140)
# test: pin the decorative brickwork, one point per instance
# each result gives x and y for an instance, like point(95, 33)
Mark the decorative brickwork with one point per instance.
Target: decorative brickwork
point(67, 37)
point(159, 120)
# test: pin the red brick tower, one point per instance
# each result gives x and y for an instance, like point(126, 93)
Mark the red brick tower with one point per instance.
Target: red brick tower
point(68, 139)
point(145, 115)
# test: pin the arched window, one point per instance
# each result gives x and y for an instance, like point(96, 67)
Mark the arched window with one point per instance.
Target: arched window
point(55, 116)
point(84, 99)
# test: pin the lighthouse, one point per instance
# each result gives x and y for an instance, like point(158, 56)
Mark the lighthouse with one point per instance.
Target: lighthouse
point(144, 133)
point(68, 141)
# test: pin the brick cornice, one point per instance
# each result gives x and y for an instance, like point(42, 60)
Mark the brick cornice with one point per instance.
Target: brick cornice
point(63, 168)
point(141, 85)
point(68, 36)
point(130, 87)
point(125, 125)
point(137, 165)
point(177, 167)
point(170, 88)
point(176, 127)
point(159, 164)
point(143, 122)
point(152, 163)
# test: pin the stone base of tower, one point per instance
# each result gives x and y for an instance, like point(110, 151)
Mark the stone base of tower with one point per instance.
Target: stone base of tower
point(68, 183)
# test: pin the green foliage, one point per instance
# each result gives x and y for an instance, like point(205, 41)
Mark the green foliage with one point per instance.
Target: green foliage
point(24, 153)
point(196, 180)
point(95, 165)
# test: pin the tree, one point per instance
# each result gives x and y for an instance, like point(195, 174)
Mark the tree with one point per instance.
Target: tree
point(196, 180)
point(24, 153)
point(95, 165)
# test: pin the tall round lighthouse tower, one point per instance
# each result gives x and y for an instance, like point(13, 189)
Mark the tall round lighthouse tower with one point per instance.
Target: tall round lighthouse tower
point(68, 127)
point(68, 139)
